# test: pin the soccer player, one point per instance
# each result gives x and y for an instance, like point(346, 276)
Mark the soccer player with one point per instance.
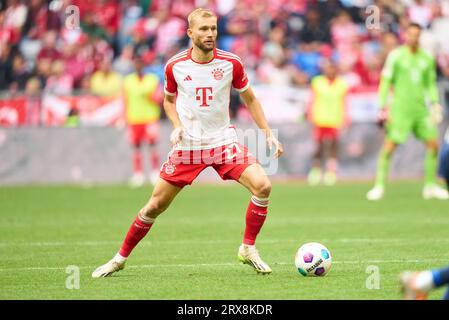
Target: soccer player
point(444, 159)
point(197, 90)
point(411, 72)
point(417, 285)
point(328, 116)
point(142, 96)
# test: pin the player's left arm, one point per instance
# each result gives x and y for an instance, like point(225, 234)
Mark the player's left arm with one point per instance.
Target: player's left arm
point(432, 92)
point(258, 115)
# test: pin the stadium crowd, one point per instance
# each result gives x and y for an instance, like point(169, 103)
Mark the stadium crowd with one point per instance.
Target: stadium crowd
point(281, 41)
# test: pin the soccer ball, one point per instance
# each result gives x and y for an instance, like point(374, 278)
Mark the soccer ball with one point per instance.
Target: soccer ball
point(313, 259)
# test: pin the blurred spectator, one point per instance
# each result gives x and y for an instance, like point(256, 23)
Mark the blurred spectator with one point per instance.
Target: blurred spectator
point(49, 50)
point(404, 22)
point(43, 71)
point(344, 35)
point(307, 59)
point(142, 99)
point(328, 115)
point(84, 85)
point(250, 47)
point(131, 12)
point(170, 31)
point(274, 70)
point(389, 43)
point(275, 45)
point(15, 17)
point(40, 20)
point(6, 33)
point(329, 9)
point(94, 52)
point(421, 12)
point(105, 82)
point(75, 65)
point(5, 66)
point(20, 74)
point(33, 101)
point(314, 29)
point(59, 83)
point(91, 28)
point(124, 64)
point(349, 74)
point(236, 24)
point(107, 16)
point(280, 41)
point(443, 64)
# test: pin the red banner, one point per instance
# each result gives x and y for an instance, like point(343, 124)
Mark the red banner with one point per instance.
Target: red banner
point(13, 112)
point(91, 110)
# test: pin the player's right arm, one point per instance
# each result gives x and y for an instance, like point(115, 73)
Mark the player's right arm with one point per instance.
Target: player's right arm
point(172, 115)
point(386, 82)
point(170, 89)
point(387, 78)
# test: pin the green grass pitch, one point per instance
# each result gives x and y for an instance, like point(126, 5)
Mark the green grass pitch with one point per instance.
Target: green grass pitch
point(191, 252)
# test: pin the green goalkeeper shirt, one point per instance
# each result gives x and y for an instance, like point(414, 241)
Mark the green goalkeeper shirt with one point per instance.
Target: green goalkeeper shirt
point(413, 78)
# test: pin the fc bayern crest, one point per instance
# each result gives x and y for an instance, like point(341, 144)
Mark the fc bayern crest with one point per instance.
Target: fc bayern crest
point(218, 73)
point(169, 168)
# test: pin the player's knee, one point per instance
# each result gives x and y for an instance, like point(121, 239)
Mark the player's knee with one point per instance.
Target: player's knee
point(263, 188)
point(154, 208)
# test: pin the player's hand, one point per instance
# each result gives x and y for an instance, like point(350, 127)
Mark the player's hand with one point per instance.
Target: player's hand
point(382, 117)
point(272, 141)
point(176, 135)
point(436, 113)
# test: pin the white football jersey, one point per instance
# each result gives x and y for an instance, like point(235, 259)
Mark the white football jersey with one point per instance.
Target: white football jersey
point(203, 93)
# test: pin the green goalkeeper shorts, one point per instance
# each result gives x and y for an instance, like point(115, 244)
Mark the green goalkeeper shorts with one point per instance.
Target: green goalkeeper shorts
point(399, 128)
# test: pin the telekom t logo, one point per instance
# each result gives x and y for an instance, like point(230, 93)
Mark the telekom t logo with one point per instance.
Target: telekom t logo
point(202, 95)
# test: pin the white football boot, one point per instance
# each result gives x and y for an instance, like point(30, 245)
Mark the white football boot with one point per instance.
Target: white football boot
point(108, 269)
point(154, 177)
point(375, 193)
point(435, 192)
point(409, 287)
point(137, 180)
point(314, 177)
point(250, 256)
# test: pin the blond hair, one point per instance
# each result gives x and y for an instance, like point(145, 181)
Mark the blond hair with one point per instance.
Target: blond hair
point(199, 12)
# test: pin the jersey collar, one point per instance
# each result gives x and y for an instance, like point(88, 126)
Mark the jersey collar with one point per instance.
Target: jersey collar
point(189, 54)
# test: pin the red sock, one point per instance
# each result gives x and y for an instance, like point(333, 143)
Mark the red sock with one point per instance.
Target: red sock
point(255, 217)
point(136, 232)
point(137, 161)
point(155, 160)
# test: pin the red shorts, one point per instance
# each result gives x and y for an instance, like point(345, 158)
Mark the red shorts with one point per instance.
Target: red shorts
point(322, 133)
point(183, 166)
point(143, 133)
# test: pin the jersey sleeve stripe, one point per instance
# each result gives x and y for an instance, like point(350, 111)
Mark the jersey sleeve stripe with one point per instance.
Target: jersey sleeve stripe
point(169, 93)
point(229, 56)
point(179, 54)
point(244, 88)
point(227, 52)
point(176, 59)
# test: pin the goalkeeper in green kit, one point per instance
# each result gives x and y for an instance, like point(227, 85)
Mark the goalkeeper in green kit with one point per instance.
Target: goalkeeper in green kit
point(411, 73)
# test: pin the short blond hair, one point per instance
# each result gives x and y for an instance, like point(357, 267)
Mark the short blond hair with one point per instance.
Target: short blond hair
point(199, 12)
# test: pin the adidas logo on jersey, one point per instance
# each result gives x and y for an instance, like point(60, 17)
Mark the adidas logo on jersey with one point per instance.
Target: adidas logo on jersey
point(188, 78)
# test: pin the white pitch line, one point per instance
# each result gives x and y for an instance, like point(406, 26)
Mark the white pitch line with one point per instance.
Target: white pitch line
point(218, 241)
point(236, 264)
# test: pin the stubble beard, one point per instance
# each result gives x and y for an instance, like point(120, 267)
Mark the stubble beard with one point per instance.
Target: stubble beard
point(205, 49)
